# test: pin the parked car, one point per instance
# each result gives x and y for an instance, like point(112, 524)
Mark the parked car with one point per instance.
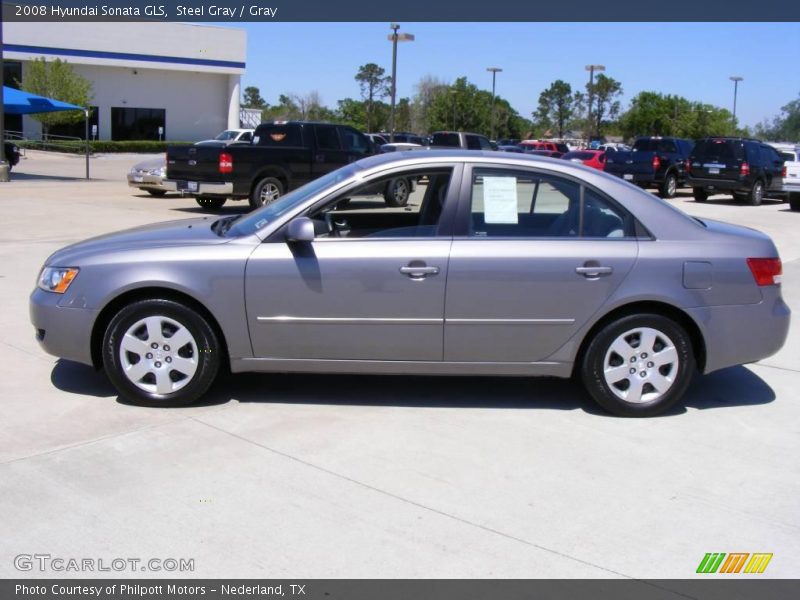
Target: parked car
point(508, 142)
point(400, 147)
point(377, 138)
point(282, 156)
point(550, 153)
point(654, 161)
point(545, 145)
point(148, 176)
point(404, 137)
point(614, 147)
point(510, 148)
point(507, 265)
point(229, 136)
point(12, 154)
point(460, 139)
point(591, 158)
point(791, 176)
point(747, 168)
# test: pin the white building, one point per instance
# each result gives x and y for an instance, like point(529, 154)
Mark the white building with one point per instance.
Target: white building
point(183, 78)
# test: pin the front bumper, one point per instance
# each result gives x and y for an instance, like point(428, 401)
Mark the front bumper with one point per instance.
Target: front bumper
point(203, 188)
point(144, 181)
point(61, 331)
point(745, 333)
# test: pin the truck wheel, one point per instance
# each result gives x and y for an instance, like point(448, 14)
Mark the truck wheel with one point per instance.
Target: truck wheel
point(756, 194)
point(794, 201)
point(397, 192)
point(669, 186)
point(700, 195)
point(211, 203)
point(266, 192)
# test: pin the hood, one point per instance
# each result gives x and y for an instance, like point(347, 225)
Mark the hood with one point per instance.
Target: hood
point(186, 232)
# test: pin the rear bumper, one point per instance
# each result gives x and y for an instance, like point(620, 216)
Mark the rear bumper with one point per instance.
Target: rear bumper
point(740, 334)
point(725, 185)
point(638, 178)
point(204, 188)
point(60, 331)
point(791, 186)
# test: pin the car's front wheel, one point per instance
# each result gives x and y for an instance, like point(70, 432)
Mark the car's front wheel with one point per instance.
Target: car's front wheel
point(160, 352)
point(639, 365)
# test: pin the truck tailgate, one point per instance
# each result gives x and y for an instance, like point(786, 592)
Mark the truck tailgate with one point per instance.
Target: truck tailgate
point(194, 163)
point(630, 163)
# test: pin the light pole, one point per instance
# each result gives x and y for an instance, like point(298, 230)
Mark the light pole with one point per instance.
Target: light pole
point(735, 79)
point(592, 69)
point(494, 71)
point(395, 37)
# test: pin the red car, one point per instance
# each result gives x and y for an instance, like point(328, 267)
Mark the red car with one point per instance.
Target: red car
point(539, 145)
point(591, 158)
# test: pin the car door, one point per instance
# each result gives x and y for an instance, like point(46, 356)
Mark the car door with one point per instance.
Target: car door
point(773, 166)
point(329, 153)
point(525, 272)
point(363, 290)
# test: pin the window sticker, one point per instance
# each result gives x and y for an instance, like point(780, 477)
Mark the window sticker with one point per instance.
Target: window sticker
point(500, 200)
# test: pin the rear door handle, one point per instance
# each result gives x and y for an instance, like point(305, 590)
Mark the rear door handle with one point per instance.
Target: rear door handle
point(594, 271)
point(419, 271)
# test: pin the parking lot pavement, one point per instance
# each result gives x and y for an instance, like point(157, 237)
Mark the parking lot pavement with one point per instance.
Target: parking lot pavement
point(336, 476)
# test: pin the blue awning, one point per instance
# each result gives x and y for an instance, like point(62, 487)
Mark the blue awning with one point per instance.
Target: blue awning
point(17, 102)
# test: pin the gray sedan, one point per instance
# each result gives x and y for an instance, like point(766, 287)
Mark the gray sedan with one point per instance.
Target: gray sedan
point(149, 176)
point(499, 264)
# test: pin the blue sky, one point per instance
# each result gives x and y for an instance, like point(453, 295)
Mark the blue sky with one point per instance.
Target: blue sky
point(690, 59)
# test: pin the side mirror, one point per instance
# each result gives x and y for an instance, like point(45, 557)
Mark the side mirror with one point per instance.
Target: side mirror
point(300, 229)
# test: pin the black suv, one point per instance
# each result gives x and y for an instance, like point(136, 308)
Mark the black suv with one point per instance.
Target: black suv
point(749, 169)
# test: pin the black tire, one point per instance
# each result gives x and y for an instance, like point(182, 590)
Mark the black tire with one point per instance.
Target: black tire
point(203, 338)
point(794, 201)
point(700, 195)
point(397, 192)
point(266, 191)
point(669, 186)
point(593, 371)
point(157, 193)
point(211, 203)
point(756, 194)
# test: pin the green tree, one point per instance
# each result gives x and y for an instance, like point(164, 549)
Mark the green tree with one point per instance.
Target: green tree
point(252, 98)
point(555, 107)
point(402, 115)
point(58, 80)
point(605, 93)
point(427, 89)
point(285, 110)
point(374, 85)
point(785, 126)
point(652, 113)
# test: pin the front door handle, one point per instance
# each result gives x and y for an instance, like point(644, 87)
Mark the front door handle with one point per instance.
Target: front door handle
point(419, 271)
point(594, 271)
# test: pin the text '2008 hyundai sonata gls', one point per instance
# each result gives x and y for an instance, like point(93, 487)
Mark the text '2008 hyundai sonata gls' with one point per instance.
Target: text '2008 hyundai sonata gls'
point(499, 264)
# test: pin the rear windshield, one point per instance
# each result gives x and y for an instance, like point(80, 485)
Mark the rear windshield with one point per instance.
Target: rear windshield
point(446, 139)
point(719, 149)
point(278, 135)
point(579, 155)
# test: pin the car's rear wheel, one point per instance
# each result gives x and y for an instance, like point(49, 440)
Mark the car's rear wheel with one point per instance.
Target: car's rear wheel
point(157, 193)
point(794, 201)
point(160, 353)
point(669, 186)
point(266, 191)
point(397, 192)
point(756, 194)
point(211, 203)
point(638, 366)
point(700, 195)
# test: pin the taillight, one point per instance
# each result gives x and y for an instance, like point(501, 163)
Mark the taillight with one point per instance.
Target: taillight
point(783, 172)
point(745, 169)
point(766, 271)
point(656, 163)
point(688, 166)
point(225, 163)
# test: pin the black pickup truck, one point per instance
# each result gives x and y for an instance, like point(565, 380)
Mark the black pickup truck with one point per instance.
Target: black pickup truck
point(282, 156)
point(654, 161)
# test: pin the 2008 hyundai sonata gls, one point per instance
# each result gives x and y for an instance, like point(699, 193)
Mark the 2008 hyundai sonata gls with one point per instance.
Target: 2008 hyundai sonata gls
point(499, 265)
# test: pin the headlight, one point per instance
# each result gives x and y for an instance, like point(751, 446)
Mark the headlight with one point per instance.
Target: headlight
point(159, 172)
point(57, 279)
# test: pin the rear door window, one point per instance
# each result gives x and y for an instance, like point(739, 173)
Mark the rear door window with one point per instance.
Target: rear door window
point(327, 137)
point(446, 139)
point(473, 142)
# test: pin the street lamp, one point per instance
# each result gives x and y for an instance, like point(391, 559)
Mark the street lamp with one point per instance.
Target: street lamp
point(394, 37)
point(735, 79)
point(494, 71)
point(454, 93)
point(592, 69)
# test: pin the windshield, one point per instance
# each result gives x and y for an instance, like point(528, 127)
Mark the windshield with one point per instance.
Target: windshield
point(226, 135)
point(258, 219)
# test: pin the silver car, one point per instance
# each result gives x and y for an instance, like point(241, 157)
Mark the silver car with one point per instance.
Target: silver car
point(499, 264)
point(149, 176)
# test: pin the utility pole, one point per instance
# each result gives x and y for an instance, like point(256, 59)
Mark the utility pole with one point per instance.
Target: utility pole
point(735, 79)
point(494, 71)
point(592, 69)
point(394, 37)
